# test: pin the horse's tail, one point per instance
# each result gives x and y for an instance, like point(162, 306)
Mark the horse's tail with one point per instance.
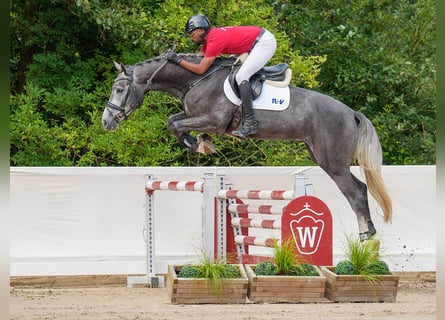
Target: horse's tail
point(369, 157)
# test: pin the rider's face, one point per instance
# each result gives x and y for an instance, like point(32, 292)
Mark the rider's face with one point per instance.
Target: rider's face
point(195, 36)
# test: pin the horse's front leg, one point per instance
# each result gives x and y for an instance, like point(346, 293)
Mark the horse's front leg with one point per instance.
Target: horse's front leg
point(179, 125)
point(185, 138)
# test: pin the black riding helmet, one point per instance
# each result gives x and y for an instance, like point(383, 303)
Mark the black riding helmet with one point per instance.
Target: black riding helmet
point(197, 21)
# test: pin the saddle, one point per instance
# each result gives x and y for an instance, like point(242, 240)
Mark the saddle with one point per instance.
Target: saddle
point(277, 75)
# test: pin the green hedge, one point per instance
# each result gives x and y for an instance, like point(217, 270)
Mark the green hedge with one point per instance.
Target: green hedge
point(376, 56)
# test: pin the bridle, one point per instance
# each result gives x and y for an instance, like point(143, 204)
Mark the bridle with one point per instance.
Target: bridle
point(123, 113)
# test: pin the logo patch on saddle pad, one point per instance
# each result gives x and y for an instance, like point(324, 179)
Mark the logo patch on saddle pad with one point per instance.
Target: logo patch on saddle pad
point(271, 98)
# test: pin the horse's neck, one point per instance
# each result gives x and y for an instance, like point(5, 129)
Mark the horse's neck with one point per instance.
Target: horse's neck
point(171, 78)
point(166, 77)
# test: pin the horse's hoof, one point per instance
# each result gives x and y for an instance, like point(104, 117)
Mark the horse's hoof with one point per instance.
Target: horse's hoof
point(368, 234)
point(202, 137)
point(189, 142)
point(365, 236)
point(206, 147)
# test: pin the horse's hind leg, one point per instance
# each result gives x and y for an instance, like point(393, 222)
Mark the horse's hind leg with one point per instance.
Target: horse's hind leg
point(335, 162)
point(356, 193)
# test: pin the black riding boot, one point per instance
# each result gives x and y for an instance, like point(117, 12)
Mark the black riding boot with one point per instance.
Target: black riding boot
point(249, 125)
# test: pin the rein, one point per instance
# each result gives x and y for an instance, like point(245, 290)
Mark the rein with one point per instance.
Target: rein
point(205, 76)
point(150, 81)
point(208, 74)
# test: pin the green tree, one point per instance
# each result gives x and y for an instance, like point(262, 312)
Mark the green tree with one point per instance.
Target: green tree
point(376, 56)
point(380, 60)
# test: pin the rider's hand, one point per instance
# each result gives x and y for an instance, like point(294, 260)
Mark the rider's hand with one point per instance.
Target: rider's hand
point(172, 56)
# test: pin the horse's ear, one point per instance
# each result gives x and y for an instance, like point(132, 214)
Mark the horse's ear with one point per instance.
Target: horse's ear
point(121, 67)
point(124, 69)
point(117, 66)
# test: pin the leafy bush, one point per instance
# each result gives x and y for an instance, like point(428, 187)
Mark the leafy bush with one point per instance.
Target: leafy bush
point(379, 267)
point(266, 268)
point(345, 267)
point(189, 271)
point(304, 269)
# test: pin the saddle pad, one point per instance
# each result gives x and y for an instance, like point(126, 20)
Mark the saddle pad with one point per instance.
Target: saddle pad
point(271, 98)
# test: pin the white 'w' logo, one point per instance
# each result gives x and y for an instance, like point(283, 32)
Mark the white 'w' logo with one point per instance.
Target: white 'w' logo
point(307, 235)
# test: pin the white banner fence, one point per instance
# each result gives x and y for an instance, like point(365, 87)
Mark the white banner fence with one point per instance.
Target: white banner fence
point(76, 221)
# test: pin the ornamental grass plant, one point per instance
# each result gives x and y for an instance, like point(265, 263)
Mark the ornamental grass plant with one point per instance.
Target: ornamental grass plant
point(213, 270)
point(286, 261)
point(362, 258)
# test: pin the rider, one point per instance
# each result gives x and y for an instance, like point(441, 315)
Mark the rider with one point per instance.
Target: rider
point(258, 42)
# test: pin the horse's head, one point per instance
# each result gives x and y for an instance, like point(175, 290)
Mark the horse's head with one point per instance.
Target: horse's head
point(126, 96)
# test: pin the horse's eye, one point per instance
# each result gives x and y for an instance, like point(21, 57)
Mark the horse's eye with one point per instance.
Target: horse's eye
point(119, 90)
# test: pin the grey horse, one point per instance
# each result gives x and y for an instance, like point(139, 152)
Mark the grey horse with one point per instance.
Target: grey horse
point(334, 134)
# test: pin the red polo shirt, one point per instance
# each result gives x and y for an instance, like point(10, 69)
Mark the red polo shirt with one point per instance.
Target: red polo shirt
point(229, 40)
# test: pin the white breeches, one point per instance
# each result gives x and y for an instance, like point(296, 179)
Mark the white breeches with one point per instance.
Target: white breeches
point(259, 55)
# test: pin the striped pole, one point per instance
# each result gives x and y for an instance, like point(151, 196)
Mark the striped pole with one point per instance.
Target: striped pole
point(256, 223)
point(256, 241)
point(174, 185)
point(257, 194)
point(250, 208)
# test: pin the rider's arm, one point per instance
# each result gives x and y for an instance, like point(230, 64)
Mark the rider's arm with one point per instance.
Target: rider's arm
point(198, 68)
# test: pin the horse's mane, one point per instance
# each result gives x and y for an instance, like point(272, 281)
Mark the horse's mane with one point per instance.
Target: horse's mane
point(189, 57)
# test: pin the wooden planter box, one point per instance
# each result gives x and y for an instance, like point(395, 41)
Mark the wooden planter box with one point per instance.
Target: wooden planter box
point(354, 288)
point(200, 290)
point(291, 289)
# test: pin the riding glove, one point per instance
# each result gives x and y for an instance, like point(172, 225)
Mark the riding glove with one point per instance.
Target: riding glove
point(172, 56)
